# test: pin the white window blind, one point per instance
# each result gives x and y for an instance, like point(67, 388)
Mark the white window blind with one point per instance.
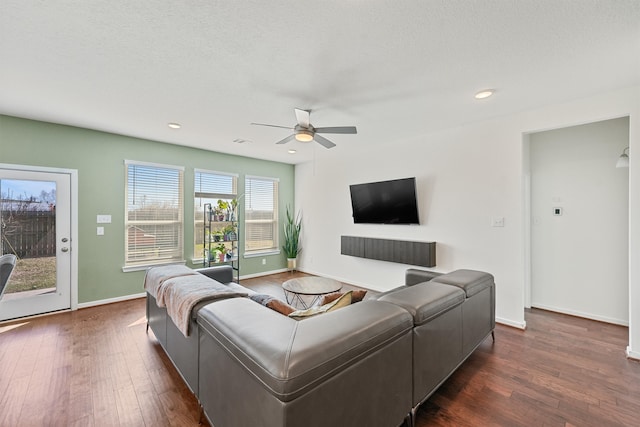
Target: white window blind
point(154, 217)
point(261, 214)
point(209, 187)
point(216, 185)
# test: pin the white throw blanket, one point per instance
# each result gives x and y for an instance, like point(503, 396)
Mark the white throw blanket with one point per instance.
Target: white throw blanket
point(182, 293)
point(156, 276)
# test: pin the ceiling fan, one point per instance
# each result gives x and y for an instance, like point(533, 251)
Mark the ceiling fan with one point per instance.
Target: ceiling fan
point(303, 131)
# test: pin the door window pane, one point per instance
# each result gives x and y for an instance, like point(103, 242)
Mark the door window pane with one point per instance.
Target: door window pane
point(28, 230)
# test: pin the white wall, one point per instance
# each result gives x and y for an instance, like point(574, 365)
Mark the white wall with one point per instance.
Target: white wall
point(459, 190)
point(465, 176)
point(579, 259)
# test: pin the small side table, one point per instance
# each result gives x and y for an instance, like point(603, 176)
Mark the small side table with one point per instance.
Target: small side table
point(311, 287)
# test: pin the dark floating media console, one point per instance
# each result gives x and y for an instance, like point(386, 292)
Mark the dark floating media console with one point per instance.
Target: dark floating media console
point(400, 251)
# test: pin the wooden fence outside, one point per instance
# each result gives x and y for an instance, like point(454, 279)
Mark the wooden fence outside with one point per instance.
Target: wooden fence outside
point(30, 234)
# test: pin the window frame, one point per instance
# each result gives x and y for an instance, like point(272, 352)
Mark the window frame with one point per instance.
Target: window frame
point(198, 229)
point(275, 249)
point(178, 256)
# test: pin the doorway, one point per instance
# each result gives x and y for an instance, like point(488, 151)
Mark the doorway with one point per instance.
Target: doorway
point(578, 224)
point(36, 213)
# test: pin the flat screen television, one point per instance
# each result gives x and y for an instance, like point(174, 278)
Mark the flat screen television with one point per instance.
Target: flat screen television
point(385, 202)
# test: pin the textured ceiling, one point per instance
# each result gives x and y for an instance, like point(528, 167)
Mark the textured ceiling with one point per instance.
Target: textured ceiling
point(394, 69)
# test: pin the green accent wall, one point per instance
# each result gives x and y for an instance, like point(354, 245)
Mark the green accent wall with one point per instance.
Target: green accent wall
point(99, 158)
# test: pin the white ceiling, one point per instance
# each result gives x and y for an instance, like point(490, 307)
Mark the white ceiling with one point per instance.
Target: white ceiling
point(395, 69)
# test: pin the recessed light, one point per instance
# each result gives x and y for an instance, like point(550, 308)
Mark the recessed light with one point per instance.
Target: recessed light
point(484, 93)
point(292, 151)
point(174, 125)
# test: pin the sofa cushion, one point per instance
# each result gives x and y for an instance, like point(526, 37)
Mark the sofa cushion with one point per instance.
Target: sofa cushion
point(390, 291)
point(426, 300)
point(470, 281)
point(343, 301)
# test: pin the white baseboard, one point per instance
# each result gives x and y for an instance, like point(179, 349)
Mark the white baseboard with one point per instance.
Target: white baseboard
point(111, 300)
point(507, 322)
point(632, 354)
point(581, 314)
point(263, 273)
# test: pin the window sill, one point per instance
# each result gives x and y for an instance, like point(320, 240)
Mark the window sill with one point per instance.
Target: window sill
point(257, 254)
point(142, 267)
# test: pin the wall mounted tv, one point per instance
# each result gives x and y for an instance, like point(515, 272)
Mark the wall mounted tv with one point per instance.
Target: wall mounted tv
point(385, 202)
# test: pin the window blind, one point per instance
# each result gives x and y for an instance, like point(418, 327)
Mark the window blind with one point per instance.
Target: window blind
point(261, 214)
point(154, 217)
point(215, 185)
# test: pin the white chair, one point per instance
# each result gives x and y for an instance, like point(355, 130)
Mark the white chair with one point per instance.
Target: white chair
point(7, 263)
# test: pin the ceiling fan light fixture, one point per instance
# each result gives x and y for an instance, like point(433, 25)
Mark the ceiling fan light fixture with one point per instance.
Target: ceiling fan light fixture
point(304, 131)
point(304, 135)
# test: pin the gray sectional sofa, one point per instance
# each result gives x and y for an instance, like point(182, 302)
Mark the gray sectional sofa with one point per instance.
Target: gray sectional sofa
point(371, 363)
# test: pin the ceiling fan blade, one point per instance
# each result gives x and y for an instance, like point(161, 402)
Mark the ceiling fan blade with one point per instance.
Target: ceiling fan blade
point(323, 141)
point(273, 126)
point(337, 129)
point(303, 117)
point(287, 139)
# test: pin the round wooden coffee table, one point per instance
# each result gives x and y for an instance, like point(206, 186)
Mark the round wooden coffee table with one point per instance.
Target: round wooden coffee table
point(306, 291)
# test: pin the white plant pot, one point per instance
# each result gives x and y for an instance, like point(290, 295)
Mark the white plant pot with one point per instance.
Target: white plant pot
point(292, 263)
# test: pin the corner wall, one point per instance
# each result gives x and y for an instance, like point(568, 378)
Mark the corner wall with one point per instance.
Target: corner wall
point(465, 176)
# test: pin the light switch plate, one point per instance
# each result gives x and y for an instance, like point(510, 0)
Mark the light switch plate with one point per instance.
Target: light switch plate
point(100, 231)
point(103, 219)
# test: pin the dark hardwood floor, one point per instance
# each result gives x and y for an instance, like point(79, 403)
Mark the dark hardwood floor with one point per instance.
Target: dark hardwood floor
point(98, 367)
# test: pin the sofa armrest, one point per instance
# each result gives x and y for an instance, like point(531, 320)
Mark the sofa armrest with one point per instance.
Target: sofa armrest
point(426, 301)
point(414, 276)
point(219, 273)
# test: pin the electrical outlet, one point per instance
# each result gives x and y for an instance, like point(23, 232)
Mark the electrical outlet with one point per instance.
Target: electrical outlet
point(497, 221)
point(100, 231)
point(264, 261)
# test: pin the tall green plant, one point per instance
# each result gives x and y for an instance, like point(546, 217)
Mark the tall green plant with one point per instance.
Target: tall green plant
point(292, 227)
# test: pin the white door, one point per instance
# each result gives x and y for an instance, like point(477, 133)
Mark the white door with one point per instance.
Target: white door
point(35, 210)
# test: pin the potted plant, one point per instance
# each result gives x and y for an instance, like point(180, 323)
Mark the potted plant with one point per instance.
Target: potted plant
point(229, 233)
point(233, 210)
point(223, 206)
point(221, 250)
point(291, 247)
